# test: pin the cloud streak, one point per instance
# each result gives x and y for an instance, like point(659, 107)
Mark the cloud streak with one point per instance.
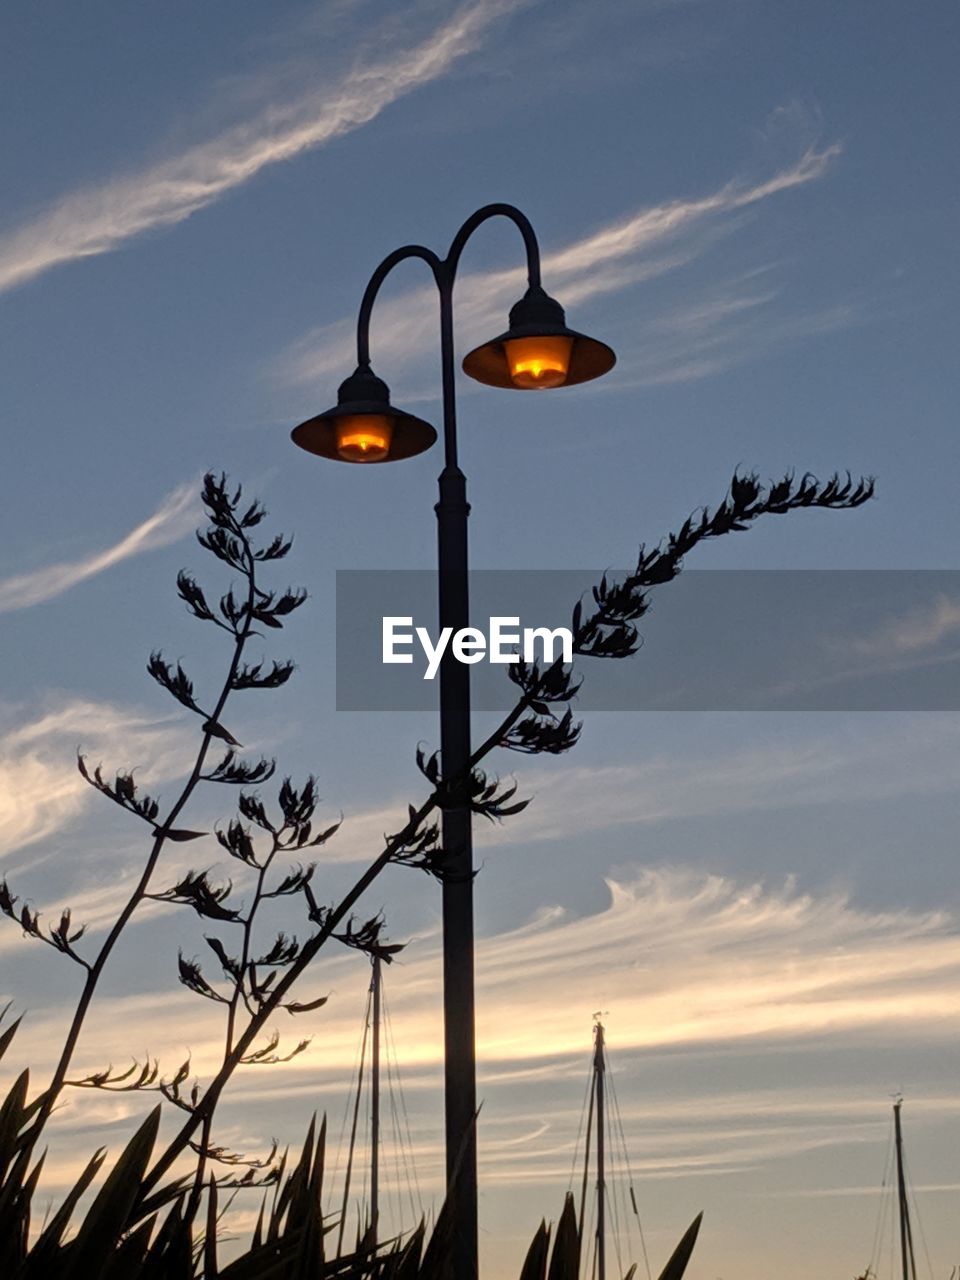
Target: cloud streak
point(914, 633)
point(817, 770)
point(684, 962)
point(43, 794)
point(99, 219)
point(639, 247)
point(681, 958)
point(174, 518)
point(41, 791)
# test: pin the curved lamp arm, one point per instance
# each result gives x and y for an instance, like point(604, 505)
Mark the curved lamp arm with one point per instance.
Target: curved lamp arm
point(444, 272)
point(520, 221)
point(373, 288)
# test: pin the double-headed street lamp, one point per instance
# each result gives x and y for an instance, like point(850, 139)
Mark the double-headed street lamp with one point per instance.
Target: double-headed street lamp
point(536, 352)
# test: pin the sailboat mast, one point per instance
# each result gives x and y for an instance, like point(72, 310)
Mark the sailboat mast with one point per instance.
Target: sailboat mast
point(599, 1067)
point(586, 1163)
point(375, 1103)
point(353, 1129)
point(906, 1232)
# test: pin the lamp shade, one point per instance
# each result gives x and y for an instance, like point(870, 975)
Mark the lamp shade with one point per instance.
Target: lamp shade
point(364, 426)
point(538, 351)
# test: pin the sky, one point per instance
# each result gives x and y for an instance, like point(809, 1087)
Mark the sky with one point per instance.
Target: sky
point(755, 205)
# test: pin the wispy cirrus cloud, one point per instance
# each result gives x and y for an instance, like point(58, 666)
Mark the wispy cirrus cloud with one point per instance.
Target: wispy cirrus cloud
point(41, 791)
point(858, 765)
point(915, 632)
point(174, 518)
point(645, 244)
point(736, 323)
point(101, 218)
point(682, 960)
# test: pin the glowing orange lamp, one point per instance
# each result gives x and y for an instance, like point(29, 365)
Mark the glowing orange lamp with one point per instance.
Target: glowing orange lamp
point(364, 426)
point(537, 364)
point(538, 351)
point(364, 437)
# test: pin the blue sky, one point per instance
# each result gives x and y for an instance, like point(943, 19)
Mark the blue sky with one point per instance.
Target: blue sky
point(755, 205)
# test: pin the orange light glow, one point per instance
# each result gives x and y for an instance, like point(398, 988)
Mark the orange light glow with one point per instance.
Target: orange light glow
point(364, 437)
point(538, 363)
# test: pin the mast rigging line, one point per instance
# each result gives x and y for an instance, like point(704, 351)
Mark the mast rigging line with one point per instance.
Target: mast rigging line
point(878, 1234)
point(396, 1091)
point(609, 1209)
point(353, 1128)
point(366, 1127)
point(916, 1213)
point(626, 1161)
point(583, 1112)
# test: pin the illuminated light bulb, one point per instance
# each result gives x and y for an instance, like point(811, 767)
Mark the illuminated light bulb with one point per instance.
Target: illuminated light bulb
point(364, 437)
point(538, 363)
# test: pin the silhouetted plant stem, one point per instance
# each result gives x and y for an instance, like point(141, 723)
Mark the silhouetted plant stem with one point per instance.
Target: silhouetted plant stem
point(261, 982)
point(608, 631)
point(208, 1103)
point(234, 1001)
point(95, 969)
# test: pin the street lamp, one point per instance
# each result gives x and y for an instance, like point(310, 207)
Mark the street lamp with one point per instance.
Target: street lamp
point(537, 352)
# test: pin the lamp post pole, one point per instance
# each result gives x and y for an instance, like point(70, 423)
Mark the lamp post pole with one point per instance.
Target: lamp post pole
point(365, 427)
point(452, 508)
point(459, 1034)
